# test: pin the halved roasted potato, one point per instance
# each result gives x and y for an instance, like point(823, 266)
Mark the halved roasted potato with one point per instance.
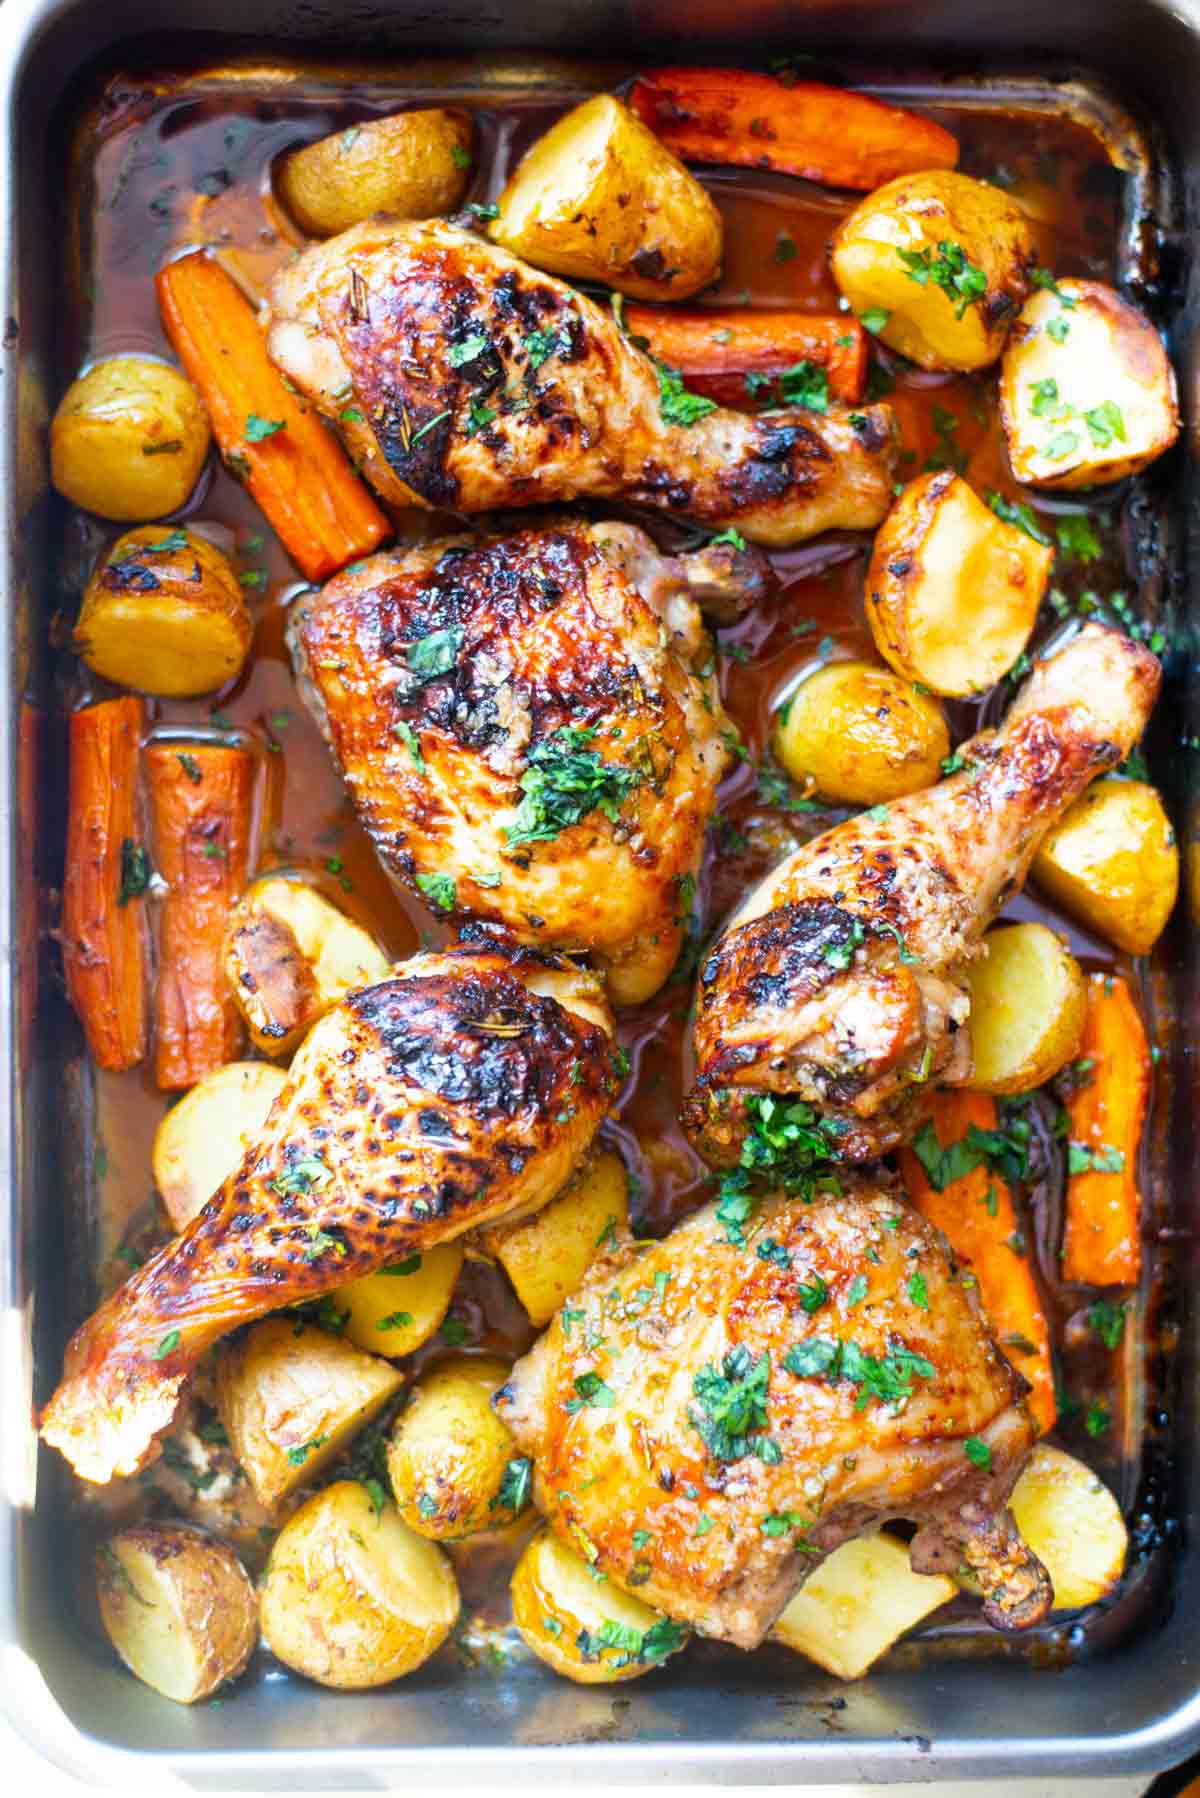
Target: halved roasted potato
point(1112, 861)
point(546, 1255)
point(859, 1601)
point(394, 1311)
point(454, 1467)
point(163, 613)
point(588, 1630)
point(352, 1597)
point(413, 165)
point(859, 735)
point(599, 198)
point(945, 258)
point(1087, 393)
point(178, 1607)
point(129, 439)
point(1028, 1006)
point(292, 1396)
point(1072, 1523)
point(289, 956)
point(202, 1139)
point(952, 591)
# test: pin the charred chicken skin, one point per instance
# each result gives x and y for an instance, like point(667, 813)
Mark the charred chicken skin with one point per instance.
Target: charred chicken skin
point(464, 380)
point(466, 1087)
point(708, 1420)
point(838, 982)
point(526, 733)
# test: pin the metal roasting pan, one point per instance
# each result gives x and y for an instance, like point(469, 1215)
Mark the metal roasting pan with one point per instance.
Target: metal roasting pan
point(1127, 1705)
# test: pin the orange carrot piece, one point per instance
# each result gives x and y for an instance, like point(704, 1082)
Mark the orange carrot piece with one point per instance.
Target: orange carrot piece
point(977, 1215)
point(1102, 1240)
point(799, 128)
point(201, 804)
point(104, 936)
point(715, 351)
point(294, 467)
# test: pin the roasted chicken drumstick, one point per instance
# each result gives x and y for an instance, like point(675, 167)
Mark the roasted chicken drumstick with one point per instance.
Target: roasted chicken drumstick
point(465, 1087)
point(464, 380)
point(711, 1414)
point(838, 982)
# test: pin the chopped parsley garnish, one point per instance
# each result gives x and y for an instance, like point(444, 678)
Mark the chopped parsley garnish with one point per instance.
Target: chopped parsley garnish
point(629, 1645)
point(459, 157)
point(321, 1242)
point(542, 344)
point(948, 453)
point(1045, 401)
point(1041, 277)
point(483, 209)
point(813, 1295)
point(350, 415)
point(873, 319)
point(441, 890)
point(770, 1250)
point(412, 743)
point(918, 1293)
point(514, 1486)
point(1057, 328)
point(1097, 1420)
point(395, 1320)
point(1107, 1321)
point(168, 1345)
point(781, 1523)
point(259, 429)
point(1104, 1160)
point(856, 1292)
point(676, 405)
point(951, 764)
point(564, 781)
point(887, 1379)
point(1063, 443)
point(135, 871)
point(735, 1207)
point(959, 279)
point(454, 1331)
point(731, 536)
point(1077, 538)
point(434, 655)
point(1106, 424)
point(191, 768)
point(977, 1452)
point(469, 350)
point(805, 384)
point(840, 955)
point(1005, 1151)
point(479, 417)
point(591, 1390)
point(1016, 512)
point(298, 1455)
point(788, 1140)
point(730, 1412)
point(308, 1174)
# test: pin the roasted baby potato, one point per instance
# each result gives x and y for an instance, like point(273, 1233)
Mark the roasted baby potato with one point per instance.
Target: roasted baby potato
point(546, 1255)
point(1072, 1523)
point(599, 198)
point(164, 613)
point(858, 735)
point(858, 1602)
point(945, 257)
point(1028, 1005)
point(289, 956)
point(952, 591)
point(291, 1396)
point(413, 165)
point(352, 1597)
point(394, 1311)
point(202, 1139)
point(1112, 862)
point(586, 1629)
point(178, 1607)
point(1086, 391)
point(454, 1467)
point(129, 439)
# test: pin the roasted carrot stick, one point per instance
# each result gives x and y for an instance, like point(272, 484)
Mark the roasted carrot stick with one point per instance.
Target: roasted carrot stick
point(293, 466)
point(104, 937)
point(975, 1211)
point(1107, 1108)
point(716, 351)
point(799, 128)
point(200, 806)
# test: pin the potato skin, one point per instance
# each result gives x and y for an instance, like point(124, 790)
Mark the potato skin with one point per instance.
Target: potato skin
point(1113, 862)
point(394, 1313)
point(1028, 1007)
point(448, 1450)
point(555, 1602)
point(165, 620)
point(546, 1255)
point(860, 735)
point(600, 198)
point(916, 214)
point(178, 1607)
point(413, 165)
point(129, 439)
point(354, 1599)
point(200, 1141)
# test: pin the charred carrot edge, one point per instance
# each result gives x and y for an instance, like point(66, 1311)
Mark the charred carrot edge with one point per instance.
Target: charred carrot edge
point(977, 1215)
point(200, 810)
point(295, 469)
point(800, 128)
point(1102, 1239)
point(104, 936)
point(715, 351)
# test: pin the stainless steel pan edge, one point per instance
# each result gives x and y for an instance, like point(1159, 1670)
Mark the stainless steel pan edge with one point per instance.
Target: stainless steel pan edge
point(1137, 1707)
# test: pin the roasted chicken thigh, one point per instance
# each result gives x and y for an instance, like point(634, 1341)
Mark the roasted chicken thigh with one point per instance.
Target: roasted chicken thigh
point(464, 380)
point(465, 1087)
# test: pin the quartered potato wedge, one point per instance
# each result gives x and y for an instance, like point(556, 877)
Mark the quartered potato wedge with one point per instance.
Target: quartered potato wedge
point(1028, 1008)
point(453, 1465)
point(588, 1630)
point(395, 1310)
point(546, 1255)
point(203, 1138)
point(859, 1601)
point(178, 1607)
point(859, 735)
point(1112, 861)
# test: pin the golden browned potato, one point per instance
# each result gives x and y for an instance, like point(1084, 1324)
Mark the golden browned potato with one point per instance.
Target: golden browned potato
point(164, 613)
point(586, 1629)
point(291, 1397)
point(202, 1139)
point(859, 735)
point(1072, 1523)
point(600, 198)
point(394, 1311)
point(858, 1602)
point(1028, 1005)
point(1112, 862)
point(1086, 391)
point(454, 1467)
point(413, 165)
point(352, 1597)
point(129, 439)
point(178, 1607)
point(944, 258)
point(546, 1255)
point(290, 955)
point(952, 591)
